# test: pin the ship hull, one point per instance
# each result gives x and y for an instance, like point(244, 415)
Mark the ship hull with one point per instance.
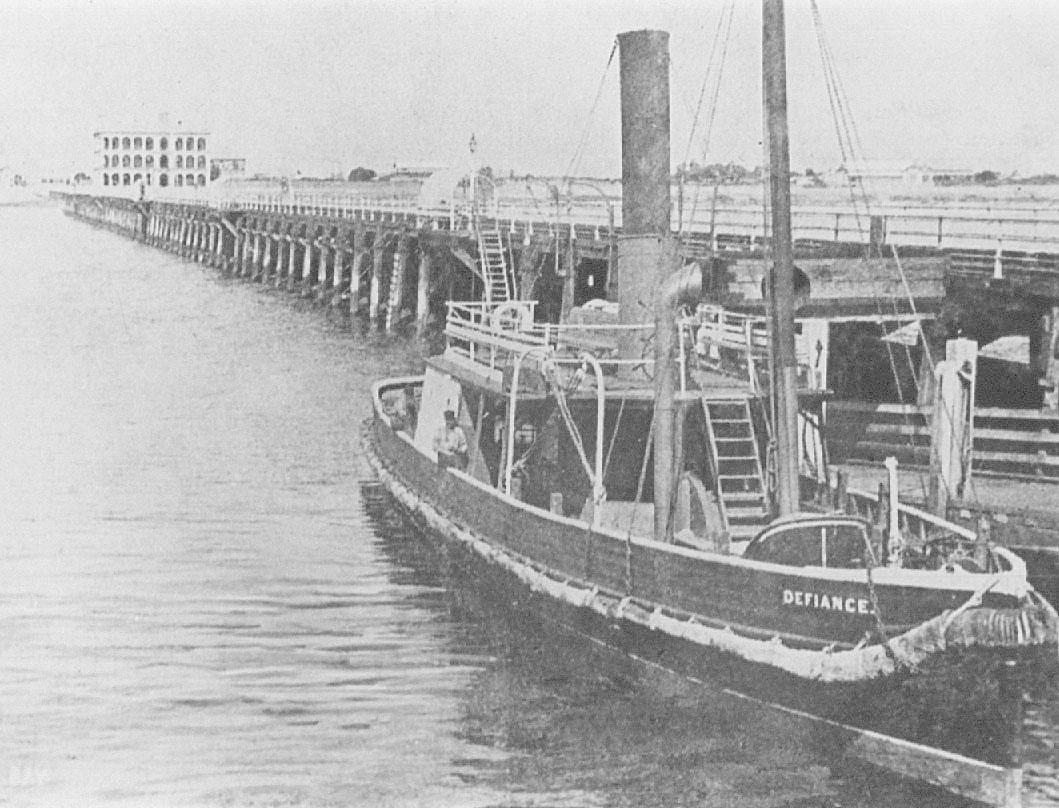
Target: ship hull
point(800, 621)
point(954, 703)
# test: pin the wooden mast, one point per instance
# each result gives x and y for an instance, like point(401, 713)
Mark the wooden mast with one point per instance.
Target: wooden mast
point(783, 365)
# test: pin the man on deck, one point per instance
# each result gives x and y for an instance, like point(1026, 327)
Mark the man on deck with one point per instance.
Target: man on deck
point(450, 443)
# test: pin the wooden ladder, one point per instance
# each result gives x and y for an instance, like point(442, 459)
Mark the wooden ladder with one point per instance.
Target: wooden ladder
point(741, 489)
point(495, 275)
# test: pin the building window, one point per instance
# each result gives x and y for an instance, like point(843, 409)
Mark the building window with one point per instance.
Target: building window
point(137, 178)
point(137, 143)
point(106, 161)
point(189, 179)
point(106, 143)
point(163, 161)
point(137, 161)
point(163, 144)
point(202, 161)
point(148, 178)
point(202, 179)
point(149, 161)
point(163, 180)
point(202, 144)
point(179, 144)
point(106, 179)
point(149, 143)
point(191, 144)
point(113, 179)
point(125, 143)
point(179, 161)
point(178, 180)
point(126, 179)
point(126, 161)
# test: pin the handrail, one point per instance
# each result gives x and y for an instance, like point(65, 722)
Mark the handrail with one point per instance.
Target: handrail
point(950, 226)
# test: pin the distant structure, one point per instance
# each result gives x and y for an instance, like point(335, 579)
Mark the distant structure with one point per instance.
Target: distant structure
point(227, 167)
point(164, 158)
point(898, 176)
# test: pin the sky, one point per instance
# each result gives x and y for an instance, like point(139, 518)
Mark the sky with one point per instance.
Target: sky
point(322, 87)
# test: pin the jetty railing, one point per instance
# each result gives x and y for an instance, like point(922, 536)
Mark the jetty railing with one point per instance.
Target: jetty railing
point(1010, 232)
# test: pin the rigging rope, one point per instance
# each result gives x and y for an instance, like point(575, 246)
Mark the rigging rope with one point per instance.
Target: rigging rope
point(723, 22)
point(575, 161)
point(850, 147)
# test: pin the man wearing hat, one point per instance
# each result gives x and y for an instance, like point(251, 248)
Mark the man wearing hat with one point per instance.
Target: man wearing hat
point(450, 443)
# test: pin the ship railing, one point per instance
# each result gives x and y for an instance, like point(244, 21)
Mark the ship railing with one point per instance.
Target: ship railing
point(916, 527)
point(737, 344)
point(720, 328)
point(493, 334)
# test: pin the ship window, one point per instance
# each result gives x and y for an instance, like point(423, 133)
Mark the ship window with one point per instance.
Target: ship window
point(818, 544)
point(163, 143)
point(202, 144)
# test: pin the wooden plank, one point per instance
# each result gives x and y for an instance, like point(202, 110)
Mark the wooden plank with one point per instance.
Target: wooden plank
point(867, 406)
point(879, 448)
point(899, 429)
point(1017, 457)
point(1022, 414)
point(1017, 436)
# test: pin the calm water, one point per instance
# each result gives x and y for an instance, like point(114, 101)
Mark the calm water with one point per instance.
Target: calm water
point(204, 603)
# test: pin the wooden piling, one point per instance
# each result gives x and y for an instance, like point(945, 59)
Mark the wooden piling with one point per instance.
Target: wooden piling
point(356, 280)
point(397, 282)
point(426, 265)
point(292, 255)
point(307, 260)
point(375, 293)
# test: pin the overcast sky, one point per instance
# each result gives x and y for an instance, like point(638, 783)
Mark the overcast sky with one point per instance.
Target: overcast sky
point(321, 87)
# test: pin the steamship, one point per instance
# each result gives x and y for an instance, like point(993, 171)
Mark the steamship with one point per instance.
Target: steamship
point(612, 473)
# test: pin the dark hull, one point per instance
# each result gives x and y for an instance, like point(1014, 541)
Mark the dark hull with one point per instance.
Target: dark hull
point(975, 719)
point(753, 601)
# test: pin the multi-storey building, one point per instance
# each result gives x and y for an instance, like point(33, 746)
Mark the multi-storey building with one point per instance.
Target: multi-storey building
point(152, 159)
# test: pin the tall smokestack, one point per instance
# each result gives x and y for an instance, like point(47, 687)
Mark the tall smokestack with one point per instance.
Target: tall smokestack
point(644, 252)
point(644, 60)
